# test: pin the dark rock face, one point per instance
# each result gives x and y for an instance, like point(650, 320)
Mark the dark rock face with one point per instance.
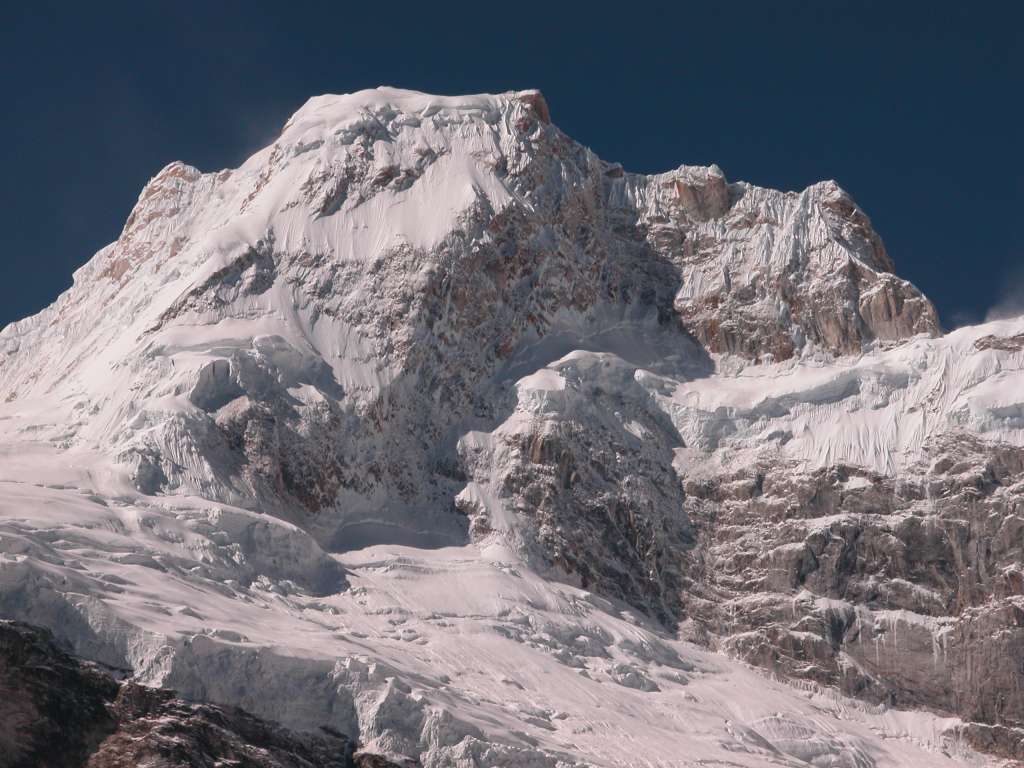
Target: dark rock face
point(601, 506)
point(997, 740)
point(907, 592)
point(56, 712)
point(53, 711)
point(1005, 343)
point(155, 728)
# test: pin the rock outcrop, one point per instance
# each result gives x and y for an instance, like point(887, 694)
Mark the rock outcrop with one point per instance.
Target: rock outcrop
point(60, 713)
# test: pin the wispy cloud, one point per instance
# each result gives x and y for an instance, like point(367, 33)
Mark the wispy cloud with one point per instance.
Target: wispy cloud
point(1011, 293)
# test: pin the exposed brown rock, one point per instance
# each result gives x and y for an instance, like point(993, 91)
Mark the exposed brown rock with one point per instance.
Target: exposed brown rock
point(56, 712)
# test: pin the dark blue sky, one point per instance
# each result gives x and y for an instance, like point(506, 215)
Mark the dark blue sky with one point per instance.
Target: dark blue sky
point(915, 108)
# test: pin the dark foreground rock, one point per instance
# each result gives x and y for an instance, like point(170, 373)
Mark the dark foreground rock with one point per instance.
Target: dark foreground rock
point(57, 712)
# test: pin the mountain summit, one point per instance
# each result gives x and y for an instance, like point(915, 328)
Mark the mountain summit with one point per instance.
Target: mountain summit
point(426, 385)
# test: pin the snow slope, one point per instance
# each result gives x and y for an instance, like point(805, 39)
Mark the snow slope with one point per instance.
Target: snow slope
point(876, 410)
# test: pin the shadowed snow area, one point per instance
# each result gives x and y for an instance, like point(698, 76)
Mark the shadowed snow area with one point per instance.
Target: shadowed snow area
point(429, 426)
point(631, 333)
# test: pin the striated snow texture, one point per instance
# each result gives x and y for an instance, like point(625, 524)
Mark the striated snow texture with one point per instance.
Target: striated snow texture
point(429, 426)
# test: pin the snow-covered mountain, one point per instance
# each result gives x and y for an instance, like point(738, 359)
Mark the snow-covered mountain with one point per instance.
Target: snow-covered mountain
point(429, 426)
